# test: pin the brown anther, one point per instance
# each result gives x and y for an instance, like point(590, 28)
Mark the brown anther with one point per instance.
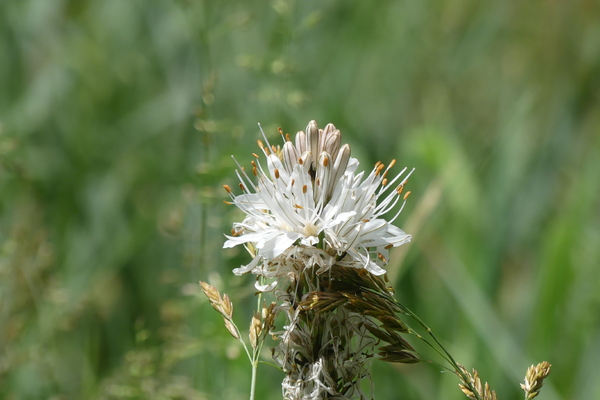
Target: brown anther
point(377, 164)
point(274, 148)
point(389, 246)
point(384, 182)
point(325, 161)
point(293, 181)
point(298, 206)
point(318, 181)
point(227, 188)
point(300, 161)
point(254, 171)
point(365, 220)
point(280, 131)
point(242, 187)
point(304, 189)
point(287, 137)
point(399, 189)
point(379, 168)
point(392, 163)
point(381, 257)
point(255, 155)
point(228, 202)
point(276, 172)
point(267, 151)
point(260, 144)
point(406, 195)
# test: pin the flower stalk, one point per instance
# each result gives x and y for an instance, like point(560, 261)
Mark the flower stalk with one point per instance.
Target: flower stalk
point(319, 240)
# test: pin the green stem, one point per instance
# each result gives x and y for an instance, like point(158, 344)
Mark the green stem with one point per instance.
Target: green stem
point(253, 383)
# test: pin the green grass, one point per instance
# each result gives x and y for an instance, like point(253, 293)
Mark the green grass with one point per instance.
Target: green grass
point(117, 120)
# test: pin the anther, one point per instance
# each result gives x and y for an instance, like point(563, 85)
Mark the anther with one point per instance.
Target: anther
point(228, 202)
point(389, 246)
point(379, 168)
point(384, 182)
point(399, 189)
point(276, 173)
point(304, 189)
point(365, 220)
point(325, 161)
point(392, 163)
point(242, 187)
point(406, 195)
point(260, 144)
point(255, 155)
point(254, 171)
point(381, 257)
point(377, 164)
point(227, 188)
point(293, 181)
point(287, 137)
point(298, 206)
point(274, 148)
point(318, 181)
point(300, 161)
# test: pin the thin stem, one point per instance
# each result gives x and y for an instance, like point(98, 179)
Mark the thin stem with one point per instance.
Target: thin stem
point(253, 379)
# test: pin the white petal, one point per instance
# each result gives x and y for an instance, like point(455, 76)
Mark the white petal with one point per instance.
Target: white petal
point(265, 288)
point(247, 268)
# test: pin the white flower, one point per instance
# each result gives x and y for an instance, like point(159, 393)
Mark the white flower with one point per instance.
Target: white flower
point(309, 200)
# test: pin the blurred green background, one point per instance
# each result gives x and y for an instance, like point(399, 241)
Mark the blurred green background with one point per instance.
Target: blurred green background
point(117, 120)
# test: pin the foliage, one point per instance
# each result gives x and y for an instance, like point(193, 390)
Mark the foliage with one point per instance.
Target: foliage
point(117, 119)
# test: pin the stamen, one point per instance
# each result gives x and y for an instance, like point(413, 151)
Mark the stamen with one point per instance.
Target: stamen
point(255, 155)
point(384, 181)
point(228, 202)
point(254, 171)
point(389, 246)
point(293, 181)
point(325, 161)
point(260, 144)
point(276, 173)
point(242, 187)
point(318, 181)
point(379, 168)
point(304, 189)
point(406, 195)
point(298, 206)
point(287, 137)
point(300, 161)
point(227, 188)
point(376, 164)
point(399, 189)
point(381, 257)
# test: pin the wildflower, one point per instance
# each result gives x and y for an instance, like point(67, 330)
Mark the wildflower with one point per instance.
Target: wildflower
point(308, 207)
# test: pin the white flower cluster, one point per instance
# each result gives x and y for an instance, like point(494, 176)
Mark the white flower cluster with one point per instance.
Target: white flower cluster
point(309, 200)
